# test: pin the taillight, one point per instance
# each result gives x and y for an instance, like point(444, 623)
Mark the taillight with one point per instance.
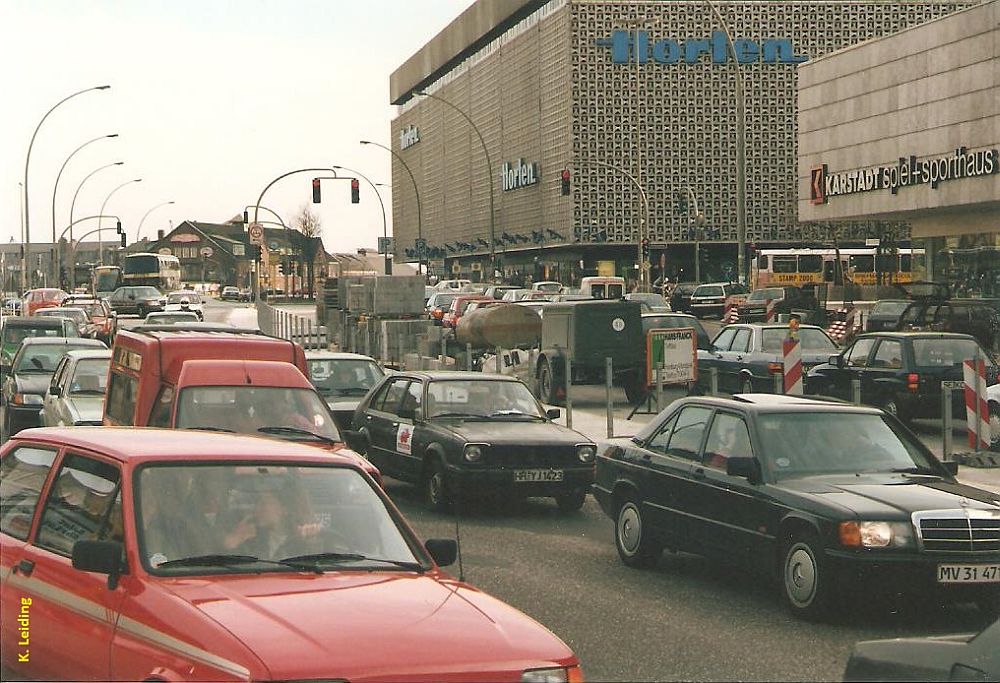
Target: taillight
point(775, 368)
point(913, 382)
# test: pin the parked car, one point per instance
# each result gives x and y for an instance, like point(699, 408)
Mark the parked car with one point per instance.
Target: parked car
point(710, 299)
point(44, 297)
point(30, 374)
point(171, 318)
point(158, 556)
point(651, 302)
point(136, 300)
point(748, 357)
point(246, 294)
point(438, 304)
point(786, 300)
point(185, 300)
point(451, 285)
point(497, 291)
point(343, 379)
point(12, 306)
point(965, 316)
point(16, 329)
point(75, 396)
point(659, 321)
point(885, 315)
point(959, 657)
point(229, 294)
point(834, 500)
point(102, 321)
point(548, 286)
point(680, 297)
point(900, 372)
point(461, 434)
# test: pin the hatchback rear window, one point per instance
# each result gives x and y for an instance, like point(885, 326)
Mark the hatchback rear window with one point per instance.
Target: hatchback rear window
point(713, 290)
point(886, 309)
point(937, 353)
point(766, 294)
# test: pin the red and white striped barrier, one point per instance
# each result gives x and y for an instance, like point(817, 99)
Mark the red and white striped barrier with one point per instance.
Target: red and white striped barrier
point(732, 315)
point(976, 406)
point(769, 312)
point(791, 352)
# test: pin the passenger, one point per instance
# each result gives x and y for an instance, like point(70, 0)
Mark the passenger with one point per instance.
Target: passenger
point(279, 526)
point(167, 529)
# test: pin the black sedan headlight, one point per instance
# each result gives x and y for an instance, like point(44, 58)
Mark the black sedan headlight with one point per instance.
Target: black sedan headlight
point(875, 534)
point(586, 452)
point(473, 452)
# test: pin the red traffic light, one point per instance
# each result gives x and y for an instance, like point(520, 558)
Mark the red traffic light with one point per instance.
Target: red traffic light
point(316, 195)
point(565, 181)
point(355, 191)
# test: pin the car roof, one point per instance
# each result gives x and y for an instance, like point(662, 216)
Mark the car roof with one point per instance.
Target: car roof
point(144, 443)
point(33, 321)
point(82, 341)
point(773, 326)
point(665, 314)
point(81, 354)
point(762, 403)
point(56, 310)
point(452, 374)
point(917, 335)
point(319, 354)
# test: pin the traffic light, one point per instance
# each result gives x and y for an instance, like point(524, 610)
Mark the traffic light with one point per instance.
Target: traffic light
point(355, 191)
point(565, 182)
point(645, 248)
point(121, 233)
point(315, 190)
point(281, 267)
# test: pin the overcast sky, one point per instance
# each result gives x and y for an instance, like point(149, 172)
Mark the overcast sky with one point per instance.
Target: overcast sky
point(212, 100)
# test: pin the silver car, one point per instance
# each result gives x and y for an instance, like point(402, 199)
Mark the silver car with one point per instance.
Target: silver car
point(76, 392)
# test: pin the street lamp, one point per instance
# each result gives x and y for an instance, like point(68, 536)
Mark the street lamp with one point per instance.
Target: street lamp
point(385, 229)
point(421, 247)
point(489, 168)
point(141, 220)
point(246, 217)
point(100, 243)
point(72, 206)
point(55, 188)
point(27, 159)
point(741, 153)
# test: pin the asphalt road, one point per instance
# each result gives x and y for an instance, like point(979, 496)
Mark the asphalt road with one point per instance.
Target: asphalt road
point(686, 619)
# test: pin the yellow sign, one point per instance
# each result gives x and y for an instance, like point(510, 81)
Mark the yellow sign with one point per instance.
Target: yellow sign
point(606, 268)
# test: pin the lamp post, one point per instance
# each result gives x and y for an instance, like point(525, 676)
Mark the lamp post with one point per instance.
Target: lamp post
point(20, 217)
point(27, 159)
point(55, 188)
point(142, 220)
point(72, 206)
point(698, 220)
point(385, 229)
point(489, 168)
point(100, 243)
point(246, 217)
point(741, 153)
point(421, 247)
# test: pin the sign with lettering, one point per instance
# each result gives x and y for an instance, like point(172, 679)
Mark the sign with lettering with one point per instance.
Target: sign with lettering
point(675, 351)
point(408, 137)
point(518, 175)
point(628, 47)
point(185, 237)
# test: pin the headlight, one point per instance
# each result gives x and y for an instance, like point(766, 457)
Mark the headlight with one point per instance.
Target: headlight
point(473, 452)
point(28, 399)
point(586, 452)
point(869, 534)
point(545, 676)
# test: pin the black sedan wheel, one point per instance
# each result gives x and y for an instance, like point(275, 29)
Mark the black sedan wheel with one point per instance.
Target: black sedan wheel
point(571, 501)
point(804, 580)
point(435, 490)
point(632, 539)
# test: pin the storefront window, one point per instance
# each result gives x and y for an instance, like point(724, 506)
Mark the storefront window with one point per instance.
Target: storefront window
point(968, 264)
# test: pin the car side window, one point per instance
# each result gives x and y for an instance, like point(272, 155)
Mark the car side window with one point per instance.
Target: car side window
point(412, 399)
point(80, 504)
point(390, 402)
point(659, 441)
point(60, 374)
point(159, 416)
point(857, 356)
point(889, 355)
point(724, 339)
point(741, 342)
point(728, 437)
point(685, 439)
point(22, 476)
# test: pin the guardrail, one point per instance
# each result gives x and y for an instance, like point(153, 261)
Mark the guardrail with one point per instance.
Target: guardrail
point(287, 325)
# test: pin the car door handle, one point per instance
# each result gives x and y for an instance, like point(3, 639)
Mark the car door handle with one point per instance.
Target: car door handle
point(395, 424)
point(739, 359)
point(698, 473)
point(25, 567)
point(369, 418)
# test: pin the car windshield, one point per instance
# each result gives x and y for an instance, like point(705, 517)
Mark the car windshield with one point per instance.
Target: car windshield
point(810, 339)
point(480, 398)
point(443, 300)
point(889, 309)
point(253, 517)
point(15, 334)
point(293, 413)
point(91, 309)
point(655, 300)
point(90, 377)
point(850, 443)
point(941, 353)
point(344, 377)
point(42, 358)
point(143, 292)
point(766, 294)
point(170, 318)
point(78, 316)
point(180, 297)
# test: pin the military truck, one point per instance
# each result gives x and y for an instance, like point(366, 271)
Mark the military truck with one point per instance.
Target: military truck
point(589, 332)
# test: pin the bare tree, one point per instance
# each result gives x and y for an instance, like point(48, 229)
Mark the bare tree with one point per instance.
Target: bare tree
point(308, 228)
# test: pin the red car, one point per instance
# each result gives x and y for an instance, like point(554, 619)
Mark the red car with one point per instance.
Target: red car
point(42, 298)
point(162, 555)
point(458, 306)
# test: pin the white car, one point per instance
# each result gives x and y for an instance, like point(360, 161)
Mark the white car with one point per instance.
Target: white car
point(185, 300)
point(76, 394)
point(452, 285)
point(171, 318)
point(343, 379)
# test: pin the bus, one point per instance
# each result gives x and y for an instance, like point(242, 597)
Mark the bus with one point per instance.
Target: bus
point(155, 270)
point(816, 266)
point(104, 280)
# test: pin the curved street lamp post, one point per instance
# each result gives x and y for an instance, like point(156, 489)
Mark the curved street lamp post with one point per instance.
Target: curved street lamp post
point(100, 243)
point(143, 219)
point(421, 247)
point(72, 207)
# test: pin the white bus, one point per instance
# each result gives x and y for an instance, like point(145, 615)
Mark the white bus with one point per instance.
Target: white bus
point(155, 270)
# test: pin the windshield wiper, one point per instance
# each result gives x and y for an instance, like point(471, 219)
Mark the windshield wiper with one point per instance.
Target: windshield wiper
point(457, 415)
point(348, 391)
point(212, 429)
point(915, 469)
point(87, 392)
point(515, 413)
point(317, 558)
point(295, 430)
point(233, 561)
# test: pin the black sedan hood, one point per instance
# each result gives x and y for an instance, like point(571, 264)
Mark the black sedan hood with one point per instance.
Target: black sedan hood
point(511, 431)
point(33, 383)
point(892, 496)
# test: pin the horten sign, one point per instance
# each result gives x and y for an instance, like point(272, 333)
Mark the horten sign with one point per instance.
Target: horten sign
point(631, 46)
point(518, 174)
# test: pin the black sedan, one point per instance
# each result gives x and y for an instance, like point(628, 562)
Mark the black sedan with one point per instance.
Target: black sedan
point(137, 301)
point(835, 500)
point(748, 357)
point(901, 372)
point(960, 657)
point(463, 434)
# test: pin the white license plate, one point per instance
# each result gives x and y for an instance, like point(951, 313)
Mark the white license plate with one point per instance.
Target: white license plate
point(968, 573)
point(538, 475)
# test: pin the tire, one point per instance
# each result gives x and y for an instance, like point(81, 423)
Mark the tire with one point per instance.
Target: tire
point(436, 496)
point(995, 427)
point(634, 545)
point(141, 312)
point(548, 386)
point(746, 386)
point(805, 585)
point(571, 501)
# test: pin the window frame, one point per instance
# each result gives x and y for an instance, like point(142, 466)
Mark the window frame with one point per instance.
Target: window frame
point(708, 435)
point(42, 491)
point(847, 354)
point(697, 454)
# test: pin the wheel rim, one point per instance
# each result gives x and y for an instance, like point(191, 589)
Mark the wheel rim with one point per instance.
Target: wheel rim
point(629, 529)
point(995, 427)
point(546, 382)
point(747, 386)
point(800, 575)
point(435, 488)
point(890, 407)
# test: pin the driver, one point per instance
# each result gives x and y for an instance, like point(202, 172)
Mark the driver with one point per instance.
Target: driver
point(343, 377)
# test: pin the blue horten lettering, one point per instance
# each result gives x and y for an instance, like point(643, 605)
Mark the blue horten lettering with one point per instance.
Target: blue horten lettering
point(630, 46)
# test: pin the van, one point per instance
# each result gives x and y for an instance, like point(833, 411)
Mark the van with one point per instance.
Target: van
point(603, 287)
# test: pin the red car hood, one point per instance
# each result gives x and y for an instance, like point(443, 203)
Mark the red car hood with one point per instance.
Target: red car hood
point(378, 626)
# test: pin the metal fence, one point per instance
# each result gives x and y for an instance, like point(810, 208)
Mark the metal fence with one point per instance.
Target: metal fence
point(287, 325)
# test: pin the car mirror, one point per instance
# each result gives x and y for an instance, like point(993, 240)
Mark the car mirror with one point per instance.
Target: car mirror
point(444, 551)
point(836, 360)
point(102, 557)
point(950, 466)
point(54, 390)
point(553, 413)
point(356, 441)
point(743, 467)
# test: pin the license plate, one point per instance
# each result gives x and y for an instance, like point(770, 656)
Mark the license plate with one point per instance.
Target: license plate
point(968, 573)
point(538, 475)
point(952, 384)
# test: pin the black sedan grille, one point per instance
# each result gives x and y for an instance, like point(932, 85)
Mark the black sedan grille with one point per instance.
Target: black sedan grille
point(958, 530)
point(517, 457)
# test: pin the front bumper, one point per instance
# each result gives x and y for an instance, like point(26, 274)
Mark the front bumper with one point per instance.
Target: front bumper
point(464, 481)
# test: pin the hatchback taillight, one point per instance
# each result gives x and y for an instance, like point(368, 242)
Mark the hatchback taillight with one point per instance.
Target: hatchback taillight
point(913, 382)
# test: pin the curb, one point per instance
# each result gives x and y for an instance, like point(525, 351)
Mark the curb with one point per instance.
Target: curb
point(980, 459)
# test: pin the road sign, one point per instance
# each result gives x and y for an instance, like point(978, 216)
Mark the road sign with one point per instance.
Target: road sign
point(385, 245)
point(256, 231)
point(421, 246)
point(206, 252)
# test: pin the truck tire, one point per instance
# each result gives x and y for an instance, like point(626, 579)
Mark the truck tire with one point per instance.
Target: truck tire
point(548, 384)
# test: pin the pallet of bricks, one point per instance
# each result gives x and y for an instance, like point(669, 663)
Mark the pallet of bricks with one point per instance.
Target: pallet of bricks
point(846, 323)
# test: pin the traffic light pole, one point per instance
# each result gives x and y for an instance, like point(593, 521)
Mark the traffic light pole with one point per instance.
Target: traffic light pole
point(421, 246)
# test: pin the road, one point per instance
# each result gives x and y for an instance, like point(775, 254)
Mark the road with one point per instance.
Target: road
point(685, 619)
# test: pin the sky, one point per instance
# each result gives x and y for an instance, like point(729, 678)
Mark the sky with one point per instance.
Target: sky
point(212, 99)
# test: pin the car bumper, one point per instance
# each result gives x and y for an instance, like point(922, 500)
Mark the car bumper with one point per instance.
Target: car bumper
point(463, 481)
point(23, 417)
point(705, 309)
point(603, 498)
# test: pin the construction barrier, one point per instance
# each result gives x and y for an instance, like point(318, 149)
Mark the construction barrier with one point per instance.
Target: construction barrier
point(732, 314)
point(769, 312)
point(846, 326)
point(977, 414)
point(791, 351)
